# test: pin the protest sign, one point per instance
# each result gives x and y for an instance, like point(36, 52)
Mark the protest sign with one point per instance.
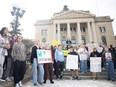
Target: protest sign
point(44, 56)
point(72, 62)
point(95, 64)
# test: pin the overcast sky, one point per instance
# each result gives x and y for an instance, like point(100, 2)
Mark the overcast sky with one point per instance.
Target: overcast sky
point(44, 9)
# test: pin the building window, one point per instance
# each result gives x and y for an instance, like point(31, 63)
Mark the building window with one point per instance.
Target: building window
point(103, 38)
point(63, 40)
point(44, 40)
point(63, 30)
point(102, 29)
point(73, 40)
point(73, 30)
point(83, 40)
point(44, 32)
point(83, 29)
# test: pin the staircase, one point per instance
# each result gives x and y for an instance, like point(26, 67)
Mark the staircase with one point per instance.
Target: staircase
point(88, 75)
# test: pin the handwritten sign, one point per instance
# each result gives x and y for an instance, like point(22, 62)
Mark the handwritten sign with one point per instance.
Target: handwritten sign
point(44, 56)
point(95, 64)
point(72, 62)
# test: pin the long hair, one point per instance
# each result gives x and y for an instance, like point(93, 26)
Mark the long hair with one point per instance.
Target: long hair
point(2, 30)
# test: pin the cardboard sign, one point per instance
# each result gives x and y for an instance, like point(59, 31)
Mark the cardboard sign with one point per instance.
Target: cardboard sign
point(44, 56)
point(72, 62)
point(95, 64)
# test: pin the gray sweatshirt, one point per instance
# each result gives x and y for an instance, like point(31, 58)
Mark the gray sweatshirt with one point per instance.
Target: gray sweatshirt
point(19, 52)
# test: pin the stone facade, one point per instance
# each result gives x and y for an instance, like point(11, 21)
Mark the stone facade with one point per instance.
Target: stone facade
point(80, 26)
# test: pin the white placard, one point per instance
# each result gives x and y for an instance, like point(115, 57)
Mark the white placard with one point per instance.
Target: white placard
point(44, 56)
point(95, 64)
point(72, 62)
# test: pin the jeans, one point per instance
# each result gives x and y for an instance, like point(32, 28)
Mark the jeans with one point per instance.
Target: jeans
point(37, 72)
point(2, 58)
point(83, 66)
point(59, 69)
point(9, 69)
point(110, 69)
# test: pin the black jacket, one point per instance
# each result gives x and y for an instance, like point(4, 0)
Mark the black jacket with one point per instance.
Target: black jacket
point(75, 53)
point(95, 54)
point(33, 54)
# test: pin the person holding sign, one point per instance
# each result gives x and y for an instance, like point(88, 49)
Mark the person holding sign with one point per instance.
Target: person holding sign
point(48, 67)
point(109, 64)
point(83, 58)
point(59, 58)
point(72, 52)
point(36, 78)
point(94, 54)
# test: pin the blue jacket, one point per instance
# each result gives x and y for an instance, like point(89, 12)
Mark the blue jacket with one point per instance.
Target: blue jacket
point(59, 55)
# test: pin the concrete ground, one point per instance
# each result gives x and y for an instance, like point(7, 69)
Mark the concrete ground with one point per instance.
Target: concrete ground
point(76, 83)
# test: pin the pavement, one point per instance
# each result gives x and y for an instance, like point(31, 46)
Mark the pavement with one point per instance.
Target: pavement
point(75, 83)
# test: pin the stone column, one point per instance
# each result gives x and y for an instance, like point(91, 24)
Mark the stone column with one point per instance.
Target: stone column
point(89, 32)
point(58, 28)
point(68, 30)
point(94, 32)
point(79, 33)
point(54, 31)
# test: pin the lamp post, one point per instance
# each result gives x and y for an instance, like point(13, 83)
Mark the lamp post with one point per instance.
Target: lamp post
point(18, 13)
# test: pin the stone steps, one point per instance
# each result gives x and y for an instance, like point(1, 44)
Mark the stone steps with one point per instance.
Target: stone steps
point(88, 75)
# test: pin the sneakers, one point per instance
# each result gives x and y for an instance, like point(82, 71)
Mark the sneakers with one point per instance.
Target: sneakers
point(40, 83)
point(77, 78)
point(113, 80)
point(17, 85)
point(8, 79)
point(51, 82)
point(36, 84)
point(2, 80)
point(44, 82)
point(20, 84)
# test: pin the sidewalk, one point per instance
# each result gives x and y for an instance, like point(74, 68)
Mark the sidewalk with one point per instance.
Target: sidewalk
point(26, 79)
point(76, 83)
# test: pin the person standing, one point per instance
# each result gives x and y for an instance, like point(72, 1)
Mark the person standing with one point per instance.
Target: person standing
point(37, 69)
point(9, 69)
point(48, 67)
point(19, 56)
point(59, 58)
point(68, 43)
point(109, 64)
point(83, 58)
point(4, 45)
point(72, 52)
point(95, 53)
point(115, 57)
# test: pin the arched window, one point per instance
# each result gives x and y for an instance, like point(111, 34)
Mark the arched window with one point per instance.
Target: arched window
point(73, 39)
point(103, 38)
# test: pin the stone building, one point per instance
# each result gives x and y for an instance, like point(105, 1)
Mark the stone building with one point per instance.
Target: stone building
point(80, 26)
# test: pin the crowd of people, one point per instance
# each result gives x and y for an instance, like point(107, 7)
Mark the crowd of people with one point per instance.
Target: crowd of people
point(12, 58)
point(84, 52)
point(12, 49)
